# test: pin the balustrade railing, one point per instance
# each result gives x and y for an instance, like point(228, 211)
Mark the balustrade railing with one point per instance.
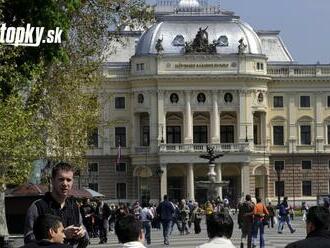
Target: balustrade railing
point(223, 147)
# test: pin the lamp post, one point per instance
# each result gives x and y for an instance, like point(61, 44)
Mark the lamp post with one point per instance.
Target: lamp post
point(278, 169)
point(159, 173)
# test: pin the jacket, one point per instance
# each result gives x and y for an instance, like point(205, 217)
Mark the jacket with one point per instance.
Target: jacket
point(317, 238)
point(217, 243)
point(165, 210)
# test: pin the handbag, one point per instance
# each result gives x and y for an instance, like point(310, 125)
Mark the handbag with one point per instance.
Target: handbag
point(265, 221)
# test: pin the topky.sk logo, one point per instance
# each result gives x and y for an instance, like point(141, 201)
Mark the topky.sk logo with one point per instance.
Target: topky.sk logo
point(28, 36)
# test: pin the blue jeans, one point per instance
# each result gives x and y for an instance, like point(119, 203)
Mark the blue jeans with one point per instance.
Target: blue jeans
point(258, 225)
point(146, 229)
point(282, 221)
point(166, 230)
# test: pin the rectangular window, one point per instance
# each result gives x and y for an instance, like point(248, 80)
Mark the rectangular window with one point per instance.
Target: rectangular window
point(307, 188)
point(121, 190)
point(121, 167)
point(278, 135)
point(305, 134)
point(328, 102)
point(278, 101)
point(140, 67)
point(120, 102)
point(329, 164)
point(279, 188)
point(120, 136)
point(145, 139)
point(328, 126)
point(306, 164)
point(260, 66)
point(227, 134)
point(93, 137)
point(173, 134)
point(200, 134)
point(279, 165)
point(93, 186)
point(93, 168)
point(305, 101)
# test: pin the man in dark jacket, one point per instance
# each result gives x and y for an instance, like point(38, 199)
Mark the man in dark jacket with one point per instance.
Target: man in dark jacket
point(166, 210)
point(245, 220)
point(59, 203)
point(318, 235)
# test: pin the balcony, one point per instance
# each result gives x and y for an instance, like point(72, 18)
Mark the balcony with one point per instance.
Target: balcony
point(223, 147)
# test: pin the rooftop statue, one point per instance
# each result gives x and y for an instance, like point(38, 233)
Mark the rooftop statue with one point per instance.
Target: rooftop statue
point(159, 46)
point(200, 44)
point(242, 46)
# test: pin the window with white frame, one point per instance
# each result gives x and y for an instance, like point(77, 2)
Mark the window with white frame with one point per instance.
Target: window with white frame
point(120, 136)
point(120, 167)
point(278, 135)
point(305, 101)
point(307, 188)
point(278, 102)
point(121, 191)
point(305, 135)
point(306, 164)
point(328, 132)
point(93, 168)
point(120, 102)
point(93, 137)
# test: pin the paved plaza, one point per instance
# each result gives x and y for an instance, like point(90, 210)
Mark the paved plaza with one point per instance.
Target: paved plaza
point(273, 239)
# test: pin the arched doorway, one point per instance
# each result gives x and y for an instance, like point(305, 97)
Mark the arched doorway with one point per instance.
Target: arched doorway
point(143, 175)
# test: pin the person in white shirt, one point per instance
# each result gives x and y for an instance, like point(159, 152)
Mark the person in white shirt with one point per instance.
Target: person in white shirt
point(146, 218)
point(129, 232)
point(219, 229)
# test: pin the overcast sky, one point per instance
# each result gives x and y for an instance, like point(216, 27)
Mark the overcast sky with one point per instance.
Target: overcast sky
point(304, 24)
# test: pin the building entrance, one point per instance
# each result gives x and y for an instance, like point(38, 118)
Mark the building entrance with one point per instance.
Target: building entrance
point(175, 188)
point(232, 191)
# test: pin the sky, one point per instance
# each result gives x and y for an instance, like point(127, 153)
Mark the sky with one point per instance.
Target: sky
point(304, 24)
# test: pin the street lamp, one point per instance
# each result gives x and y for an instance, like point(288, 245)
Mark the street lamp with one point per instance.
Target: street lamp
point(278, 168)
point(159, 173)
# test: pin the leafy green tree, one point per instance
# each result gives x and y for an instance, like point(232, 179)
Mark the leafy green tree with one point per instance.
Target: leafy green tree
point(47, 93)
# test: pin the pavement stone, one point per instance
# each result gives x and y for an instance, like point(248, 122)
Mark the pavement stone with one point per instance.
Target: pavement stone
point(272, 238)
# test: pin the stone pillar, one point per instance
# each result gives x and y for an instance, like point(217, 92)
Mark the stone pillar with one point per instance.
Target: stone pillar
point(188, 124)
point(245, 179)
point(292, 123)
point(190, 182)
point(219, 178)
point(153, 123)
point(215, 121)
point(161, 117)
point(242, 116)
point(263, 128)
point(163, 180)
point(319, 135)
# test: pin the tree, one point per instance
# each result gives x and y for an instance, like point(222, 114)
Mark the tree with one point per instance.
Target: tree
point(47, 94)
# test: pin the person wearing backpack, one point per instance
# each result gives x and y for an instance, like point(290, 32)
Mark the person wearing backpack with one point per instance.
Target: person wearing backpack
point(245, 220)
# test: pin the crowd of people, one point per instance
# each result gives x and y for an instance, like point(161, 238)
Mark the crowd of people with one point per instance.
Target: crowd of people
point(58, 220)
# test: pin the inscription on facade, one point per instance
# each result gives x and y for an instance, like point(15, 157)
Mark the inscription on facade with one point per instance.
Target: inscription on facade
point(192, 66)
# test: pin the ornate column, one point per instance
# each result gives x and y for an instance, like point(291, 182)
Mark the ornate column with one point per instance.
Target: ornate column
point(153, 122)
point(292, 123)
point(245, 179)
point(163, 180)
point(190, 182)
point(188, 122)
point(242, 116)
point(161, 117)
point(215, 120)
point(219, 178)
point(319, 135)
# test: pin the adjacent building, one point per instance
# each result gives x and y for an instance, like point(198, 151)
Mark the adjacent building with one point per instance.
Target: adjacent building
point(201, 76)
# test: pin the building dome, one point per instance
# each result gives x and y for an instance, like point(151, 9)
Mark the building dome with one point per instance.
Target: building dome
point(173, 31)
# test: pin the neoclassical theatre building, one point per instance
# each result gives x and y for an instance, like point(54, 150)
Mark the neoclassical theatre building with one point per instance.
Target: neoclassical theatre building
point(201, 76)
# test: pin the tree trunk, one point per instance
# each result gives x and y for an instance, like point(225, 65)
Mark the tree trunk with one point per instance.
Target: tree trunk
point(3, 222)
